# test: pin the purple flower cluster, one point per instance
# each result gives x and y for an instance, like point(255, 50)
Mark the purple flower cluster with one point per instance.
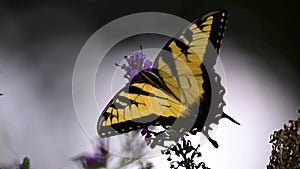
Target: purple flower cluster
point(136, 63)
point(146, 132)
point(94, 160)
point(91, 160)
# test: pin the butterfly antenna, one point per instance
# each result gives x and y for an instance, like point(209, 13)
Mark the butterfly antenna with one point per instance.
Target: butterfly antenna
point(224, 115)
point(141, 47)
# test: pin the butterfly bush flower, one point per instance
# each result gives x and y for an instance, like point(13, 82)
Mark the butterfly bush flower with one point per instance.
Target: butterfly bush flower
point(135, 63)
point(94, 160)
point(146, 132)
point(286, 146)
point(187, 153)
point(91, 160)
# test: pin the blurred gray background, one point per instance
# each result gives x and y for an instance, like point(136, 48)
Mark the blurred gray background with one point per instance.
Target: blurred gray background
point(40, 41)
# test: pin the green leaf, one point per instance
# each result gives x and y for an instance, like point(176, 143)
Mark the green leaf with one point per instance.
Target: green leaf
point(26, 163)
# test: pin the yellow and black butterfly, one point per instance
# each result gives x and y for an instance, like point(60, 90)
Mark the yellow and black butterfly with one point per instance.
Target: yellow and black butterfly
point(182, 85)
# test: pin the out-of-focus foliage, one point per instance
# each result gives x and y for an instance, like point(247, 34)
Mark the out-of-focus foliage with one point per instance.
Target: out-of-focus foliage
point(26, 163)
point(16, 165)
point(147, 165)
point(102, 158)
point(286, 147)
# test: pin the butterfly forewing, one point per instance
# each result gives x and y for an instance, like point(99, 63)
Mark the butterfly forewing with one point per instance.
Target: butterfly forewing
point(138, 105)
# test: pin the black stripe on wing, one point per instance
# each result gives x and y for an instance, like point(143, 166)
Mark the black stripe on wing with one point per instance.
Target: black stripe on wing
point(217, 28)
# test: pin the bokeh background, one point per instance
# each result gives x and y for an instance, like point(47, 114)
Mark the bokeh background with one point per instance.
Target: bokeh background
point(40, 41)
